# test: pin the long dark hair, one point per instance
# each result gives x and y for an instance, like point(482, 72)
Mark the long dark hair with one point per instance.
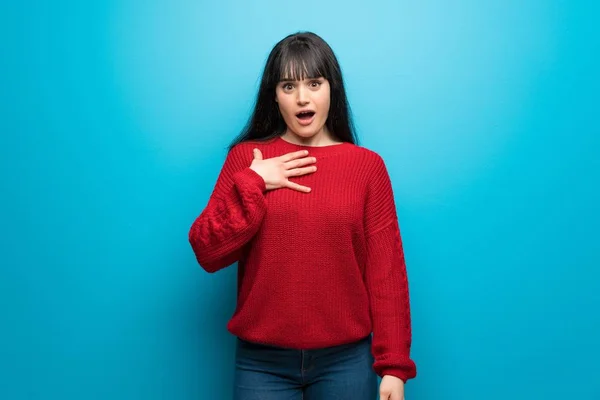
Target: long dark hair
point(299, 56)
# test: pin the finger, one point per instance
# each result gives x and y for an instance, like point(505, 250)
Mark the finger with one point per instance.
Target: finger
point(292, 156)
point(297, 187)
point(257, 154)
point(300, 171)
point(300, 163)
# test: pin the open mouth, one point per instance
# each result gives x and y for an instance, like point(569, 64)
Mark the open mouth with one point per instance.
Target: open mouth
point(305, 115)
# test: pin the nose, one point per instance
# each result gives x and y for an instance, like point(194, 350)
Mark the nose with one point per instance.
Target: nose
point(302, 96)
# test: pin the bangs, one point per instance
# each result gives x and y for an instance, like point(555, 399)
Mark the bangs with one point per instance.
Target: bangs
point(300, 62)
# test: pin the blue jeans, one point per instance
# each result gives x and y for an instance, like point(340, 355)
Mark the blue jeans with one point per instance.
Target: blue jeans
point(274, 373)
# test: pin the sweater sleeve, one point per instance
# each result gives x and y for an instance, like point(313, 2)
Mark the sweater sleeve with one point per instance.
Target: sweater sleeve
point(386, 280)
point(233, 215)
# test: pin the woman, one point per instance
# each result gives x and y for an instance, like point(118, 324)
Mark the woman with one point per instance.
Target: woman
point(323, 304)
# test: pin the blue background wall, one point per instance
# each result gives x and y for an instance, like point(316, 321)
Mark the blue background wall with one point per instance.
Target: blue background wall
point(115, 118)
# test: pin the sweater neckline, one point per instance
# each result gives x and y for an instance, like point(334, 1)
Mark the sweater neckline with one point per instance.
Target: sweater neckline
point(327, 149)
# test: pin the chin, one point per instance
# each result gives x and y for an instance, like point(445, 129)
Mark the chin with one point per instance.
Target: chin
point(307, 131)
point(306, 135)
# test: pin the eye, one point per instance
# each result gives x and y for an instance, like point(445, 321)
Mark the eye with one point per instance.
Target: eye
point(287, 86)
point(315, 84)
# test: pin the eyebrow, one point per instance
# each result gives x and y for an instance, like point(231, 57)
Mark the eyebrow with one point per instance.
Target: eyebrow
point(298, 80)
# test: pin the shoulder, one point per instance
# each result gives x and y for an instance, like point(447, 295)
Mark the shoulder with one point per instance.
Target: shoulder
point(370, 159)
point(243, 152)
point(241, 148)
point(246, 147)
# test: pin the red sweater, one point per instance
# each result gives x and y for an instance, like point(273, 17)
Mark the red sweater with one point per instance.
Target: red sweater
point(315, 269)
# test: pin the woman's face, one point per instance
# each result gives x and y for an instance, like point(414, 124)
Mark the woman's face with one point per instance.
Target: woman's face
point(304, 105)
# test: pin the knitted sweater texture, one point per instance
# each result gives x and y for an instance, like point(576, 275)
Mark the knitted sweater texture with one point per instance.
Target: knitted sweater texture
point(315, 269)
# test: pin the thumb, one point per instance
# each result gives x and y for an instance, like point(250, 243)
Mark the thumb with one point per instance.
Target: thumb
point(257, 154)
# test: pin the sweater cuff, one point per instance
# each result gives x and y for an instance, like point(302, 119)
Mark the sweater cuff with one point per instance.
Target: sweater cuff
point(397, 372)
point(402, 367)
point(248, 176)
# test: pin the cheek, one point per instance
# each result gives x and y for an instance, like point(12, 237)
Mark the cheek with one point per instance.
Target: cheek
point(324, 104)
point(323, 98)
point(284, 107)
